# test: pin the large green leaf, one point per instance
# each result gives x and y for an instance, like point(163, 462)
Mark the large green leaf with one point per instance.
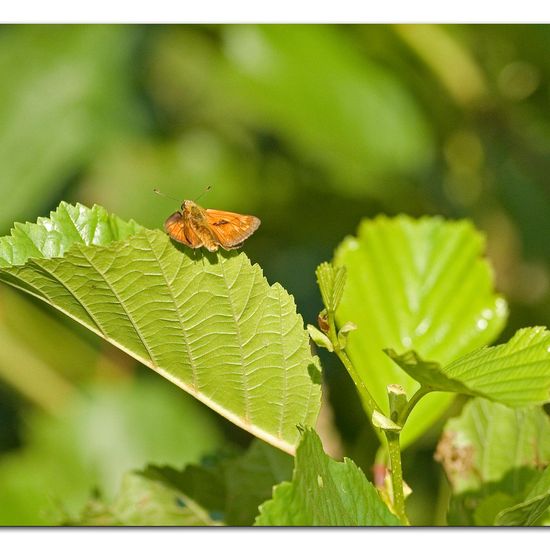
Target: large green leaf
point(210, 323)
point(492, 454)
point(416, 284)
point(65, 92)
point(324, 492)
point(516, 373)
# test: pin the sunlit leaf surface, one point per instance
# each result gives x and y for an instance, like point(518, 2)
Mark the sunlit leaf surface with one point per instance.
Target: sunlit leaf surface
point(210, 323)
point(421, 285)
point(516, 373)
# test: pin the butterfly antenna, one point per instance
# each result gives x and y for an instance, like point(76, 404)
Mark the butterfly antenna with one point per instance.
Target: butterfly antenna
point(158, 192)
point(203, 193)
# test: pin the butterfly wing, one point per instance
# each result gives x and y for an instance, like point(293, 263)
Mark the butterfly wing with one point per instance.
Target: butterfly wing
point(230, 230)
point(180, 231)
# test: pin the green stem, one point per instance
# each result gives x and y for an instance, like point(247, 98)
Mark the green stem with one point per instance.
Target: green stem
point(368, 399)
point(394, 452)
point(392, 438)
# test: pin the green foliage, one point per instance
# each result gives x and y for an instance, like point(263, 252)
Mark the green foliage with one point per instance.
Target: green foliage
point(210, 323)
point(68, 225)
point(416, 284)
point(386, 119)
point(535, 504)
point(143, 501)
point(331, 283)
point(68, 95)
point(324, 492)
point(96, 437)
point(225, 488)
point(516, 373)
point(492, 455)
point(266, 65)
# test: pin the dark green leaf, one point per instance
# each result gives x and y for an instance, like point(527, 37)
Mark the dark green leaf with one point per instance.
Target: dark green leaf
point(232, 487)
point(95, 439)
point(534, 505)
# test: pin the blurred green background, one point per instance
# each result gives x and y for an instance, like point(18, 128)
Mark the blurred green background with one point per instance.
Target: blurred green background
point(308, 127)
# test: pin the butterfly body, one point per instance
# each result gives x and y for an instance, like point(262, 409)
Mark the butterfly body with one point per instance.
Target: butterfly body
point(195, 226)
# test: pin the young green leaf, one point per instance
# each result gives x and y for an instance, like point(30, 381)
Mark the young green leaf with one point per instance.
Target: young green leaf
point(384, 423)
point(429, 374)
point(324, 492)
point(320, 338)
point(516, 373)
point(416, 284)
point(209, 323)
point(331, 281)
point(343, 334)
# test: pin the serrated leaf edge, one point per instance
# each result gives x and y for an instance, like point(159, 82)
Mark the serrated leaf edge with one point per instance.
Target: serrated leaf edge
point(229, 415)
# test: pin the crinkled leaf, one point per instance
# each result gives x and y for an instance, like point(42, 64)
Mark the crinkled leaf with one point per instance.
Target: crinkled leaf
point(324, 492)
point(516, 373)
point(209, 323)
point(52, 237)
point(416, 284)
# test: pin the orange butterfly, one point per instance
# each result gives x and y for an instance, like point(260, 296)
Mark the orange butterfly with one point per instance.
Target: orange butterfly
point(195, 226)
